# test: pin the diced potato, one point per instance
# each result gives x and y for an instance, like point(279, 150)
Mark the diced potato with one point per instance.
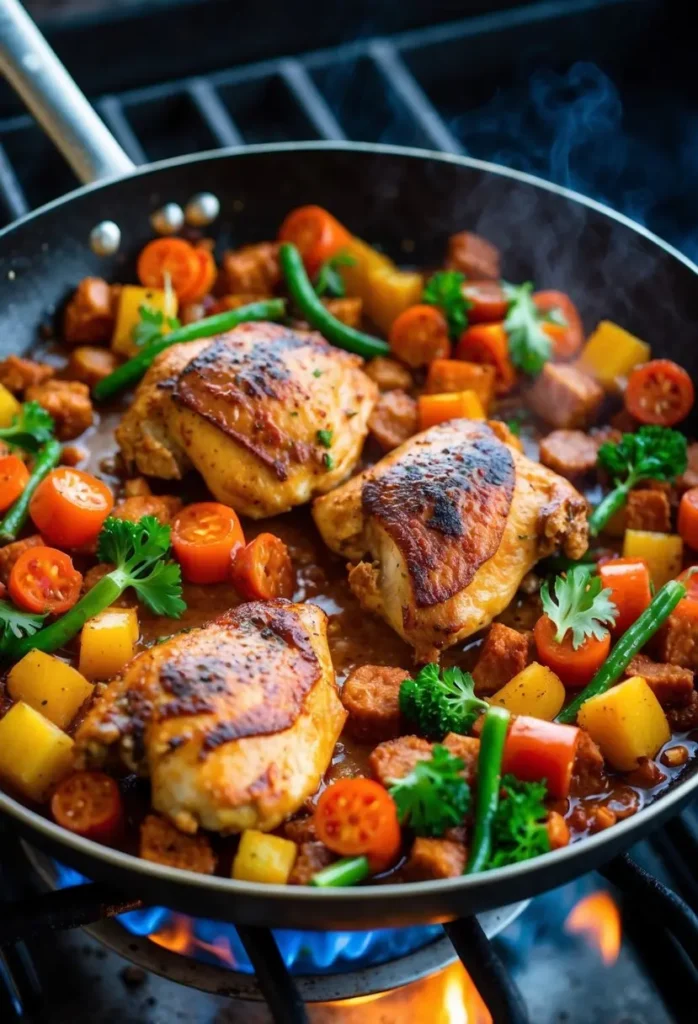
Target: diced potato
point(535, 691)
point(611, 353)
point(627, 722)
point(391, 292)
point(264, 858)
point(50, 686)
point(357, 278)
point(663, 553)
point(34, 753)
point(107, 642)
point(9, 406)
point(131, 298)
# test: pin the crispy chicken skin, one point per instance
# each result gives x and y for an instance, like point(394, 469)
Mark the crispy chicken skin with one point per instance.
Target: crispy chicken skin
point(235, 723)
point(450, 523)
point(269, 416)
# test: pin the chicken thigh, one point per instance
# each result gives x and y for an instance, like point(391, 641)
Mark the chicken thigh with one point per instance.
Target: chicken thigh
point(450, 523)
point(235, 723)
point(269, 416)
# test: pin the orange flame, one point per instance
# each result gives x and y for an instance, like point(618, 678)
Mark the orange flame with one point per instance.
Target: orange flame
point(597, 918)
point(179, 937)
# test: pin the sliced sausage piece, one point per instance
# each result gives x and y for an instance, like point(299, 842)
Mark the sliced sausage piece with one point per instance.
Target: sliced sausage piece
point(571, 453)
point(348, 311)
point(396, 758)
point(252, 269)
point(11, 552)
point(388, 374)
point(371, 695)
point(648, 509)
point(393, 420)
point(588, 774)
point(68, 402)
point(163, 506)
point(162, 843)
point(467, 748)
point(435, 858)
point(672, 685)
point(564, 396)
point(90, 314)
point(312, 857)
point(684, 719)
point(504, 654)
point(473, 256)
point(90, 364)
point(17, 374)
point(678, 642)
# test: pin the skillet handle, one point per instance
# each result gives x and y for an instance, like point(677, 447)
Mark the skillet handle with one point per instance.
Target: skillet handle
point(36, 74)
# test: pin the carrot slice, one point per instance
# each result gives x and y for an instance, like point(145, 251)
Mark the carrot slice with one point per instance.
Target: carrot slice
point(263, 569)
point(316, 234)
point(574, 667)
point(488, 343)
point(173, 257)
point(69, 507)
point(205, 536)
point(419, 335)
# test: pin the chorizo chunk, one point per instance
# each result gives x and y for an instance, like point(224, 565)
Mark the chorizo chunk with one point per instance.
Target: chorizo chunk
point(396, 758)
point(68, 402)
point(678, 642)
point(17, 374)
point(504, 654)
point(348, 311)
point(648, 509)
point(90, 314)
point(388, 374)
point(11, 552)
point(162, 843)
point(228, 302)
point(588, 773)
point(435, 858)
point(672, 685)
point(312, 857)
point(371, 695)
point(570, 453)
point(164, 507)
point(473, 256)
point(467, 748)
point(253, 268)
point(393, 420)
point(301, 830)
point(565, 396)
point(684, 719)
point(90, 364)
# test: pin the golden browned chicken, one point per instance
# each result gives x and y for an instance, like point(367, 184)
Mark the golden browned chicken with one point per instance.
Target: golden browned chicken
point(235, 723)
point(449, 523)
point(269, 416)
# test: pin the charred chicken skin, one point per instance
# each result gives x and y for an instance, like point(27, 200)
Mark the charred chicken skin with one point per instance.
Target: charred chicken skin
point(269, 416)
point(235, 723)
point(449, 524)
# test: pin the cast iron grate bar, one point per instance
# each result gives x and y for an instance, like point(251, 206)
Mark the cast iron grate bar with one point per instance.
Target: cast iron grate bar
point(273, 977)
point(213, 112)
point(489, 975)
point(311, 99)
point(112, 112)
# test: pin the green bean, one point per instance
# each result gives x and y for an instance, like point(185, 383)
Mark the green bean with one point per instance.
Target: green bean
point(347, 871)
point(317, 315)
point(489, 779)
point(607, 508)
point(634, 638)
point(46, 460)
point(130, 373)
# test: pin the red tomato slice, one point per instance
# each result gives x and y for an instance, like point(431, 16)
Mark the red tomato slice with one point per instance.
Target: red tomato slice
point(44, 580)
point(89, 804)
point(357, 817)
point(659, 392)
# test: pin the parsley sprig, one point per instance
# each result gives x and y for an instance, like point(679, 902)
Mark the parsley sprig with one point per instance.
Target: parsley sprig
point(434, 796)
point(16, 624)
point(444, 289)
point(651, 453)
point(439, 701)
point(30, 428)
point(519, 829)
point(149, 327)
point(529, 346)
point(328, 280)
point(579, 606)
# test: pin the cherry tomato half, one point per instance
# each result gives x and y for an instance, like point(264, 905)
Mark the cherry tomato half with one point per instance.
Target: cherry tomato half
point(263, 569)
point(316, 234)
point(357, 817)
point(44, 580)
point(205, 536)
point(174, 257)
point(419, 335)
point(14, 476)
point(69, 507)
point(659, 392)
point(89, 804)
point(567, 339)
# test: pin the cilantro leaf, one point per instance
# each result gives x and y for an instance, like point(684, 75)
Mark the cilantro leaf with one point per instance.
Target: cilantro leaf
point(149, 327)
point(529, 346)
point(444, 289)
point(519, 829)
point(580, 606)
point(434, 796)
point(441, 701)
point(16, 624)
point(328, 280)
point(31, 427)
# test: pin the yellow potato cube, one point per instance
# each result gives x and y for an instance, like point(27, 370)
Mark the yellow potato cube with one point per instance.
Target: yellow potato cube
point(128, 315)
point(34, 753)
point(264, 858)
point(357, 278)
point(390, 292)
point(9, 406)
point(611, 353)
point(50, 686)
point(663, 553)
point(535, 691)
point(627, 722)
point(107, 642)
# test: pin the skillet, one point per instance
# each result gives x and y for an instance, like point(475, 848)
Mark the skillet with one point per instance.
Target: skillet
point(410, 200)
